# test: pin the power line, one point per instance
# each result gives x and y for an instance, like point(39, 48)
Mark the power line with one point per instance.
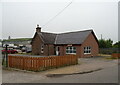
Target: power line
point(58, 13)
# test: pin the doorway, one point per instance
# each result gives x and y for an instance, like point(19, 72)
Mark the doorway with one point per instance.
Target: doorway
point(57, 50)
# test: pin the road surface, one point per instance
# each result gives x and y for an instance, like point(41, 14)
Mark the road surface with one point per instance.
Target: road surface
point(0, 66)
point(107, 75)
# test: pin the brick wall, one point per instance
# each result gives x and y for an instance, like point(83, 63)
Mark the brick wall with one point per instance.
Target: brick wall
point(90, 41)
point(36, 47)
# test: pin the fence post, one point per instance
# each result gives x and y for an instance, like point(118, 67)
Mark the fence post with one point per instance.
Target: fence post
point(3, 59)
point(6, 56)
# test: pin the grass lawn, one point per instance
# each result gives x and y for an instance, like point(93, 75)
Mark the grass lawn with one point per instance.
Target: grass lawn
point(25, 53)
point(111, 58)
point(105, 55)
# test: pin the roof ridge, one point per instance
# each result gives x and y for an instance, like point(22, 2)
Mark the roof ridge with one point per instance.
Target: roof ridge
point(48, 32)
point(68, 32)
point(76, 31)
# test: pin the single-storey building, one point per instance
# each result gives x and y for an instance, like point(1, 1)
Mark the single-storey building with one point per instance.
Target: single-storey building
point(81, 43)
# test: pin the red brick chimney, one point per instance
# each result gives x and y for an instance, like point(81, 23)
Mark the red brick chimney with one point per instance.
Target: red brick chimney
point(38, 29)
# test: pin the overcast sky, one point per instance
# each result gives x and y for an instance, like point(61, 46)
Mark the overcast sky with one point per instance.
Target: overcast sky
point(19, 19)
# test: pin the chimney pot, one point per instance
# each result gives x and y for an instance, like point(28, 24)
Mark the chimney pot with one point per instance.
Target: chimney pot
point(38, 29)
point(37, 25)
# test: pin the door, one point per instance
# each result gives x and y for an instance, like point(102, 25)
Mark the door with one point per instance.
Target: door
point(57, 50)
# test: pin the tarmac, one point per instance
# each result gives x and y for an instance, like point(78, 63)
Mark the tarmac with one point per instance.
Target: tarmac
point(85, 65)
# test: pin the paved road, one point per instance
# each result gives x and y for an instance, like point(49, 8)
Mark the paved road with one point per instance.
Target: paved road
point(107, 75)
point(0, 66)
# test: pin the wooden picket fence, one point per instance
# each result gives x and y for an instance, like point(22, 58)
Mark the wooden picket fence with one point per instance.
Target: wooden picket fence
point(41, 63)
point(116, 55)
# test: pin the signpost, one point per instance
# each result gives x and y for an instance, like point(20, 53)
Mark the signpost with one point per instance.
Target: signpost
point(6, 55)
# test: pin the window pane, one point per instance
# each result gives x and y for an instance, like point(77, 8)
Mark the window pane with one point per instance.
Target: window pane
point(84, 48)
point(74, 51)
point(70, 51)
point(74, 48)
point(70, 48)
point(89, 47)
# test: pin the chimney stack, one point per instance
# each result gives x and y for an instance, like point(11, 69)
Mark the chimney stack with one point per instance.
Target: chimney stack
point(38, 29)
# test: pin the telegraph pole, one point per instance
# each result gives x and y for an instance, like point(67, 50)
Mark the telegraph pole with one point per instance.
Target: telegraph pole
point(101, 36)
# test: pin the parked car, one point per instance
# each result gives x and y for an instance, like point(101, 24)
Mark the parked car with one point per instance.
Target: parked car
point(18, 50)
point(10, 51)
point(23, 49)
point(28, 49)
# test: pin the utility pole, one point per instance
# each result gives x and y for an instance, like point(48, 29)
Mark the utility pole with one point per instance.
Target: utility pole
point(101, 36)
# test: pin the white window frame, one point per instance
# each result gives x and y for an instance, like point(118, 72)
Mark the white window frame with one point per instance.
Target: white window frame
point(70, 50)
point(87, 50)
point(42, 48)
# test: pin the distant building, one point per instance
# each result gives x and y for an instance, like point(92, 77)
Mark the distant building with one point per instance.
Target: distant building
point(9, 38)
point(81, 43)
point(17, 42)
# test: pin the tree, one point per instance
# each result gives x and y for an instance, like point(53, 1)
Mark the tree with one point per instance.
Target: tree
point(102, 43)
point(109, 43)
point(105, 43)
point(116, 45)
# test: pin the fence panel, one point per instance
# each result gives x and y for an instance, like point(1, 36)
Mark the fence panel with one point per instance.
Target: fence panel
point(116, 55)
point(40, 63)
point(109, 50)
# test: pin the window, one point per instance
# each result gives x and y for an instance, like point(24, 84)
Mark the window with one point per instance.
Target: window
point(42, 48)
point(87, 50)
point(70, 50)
